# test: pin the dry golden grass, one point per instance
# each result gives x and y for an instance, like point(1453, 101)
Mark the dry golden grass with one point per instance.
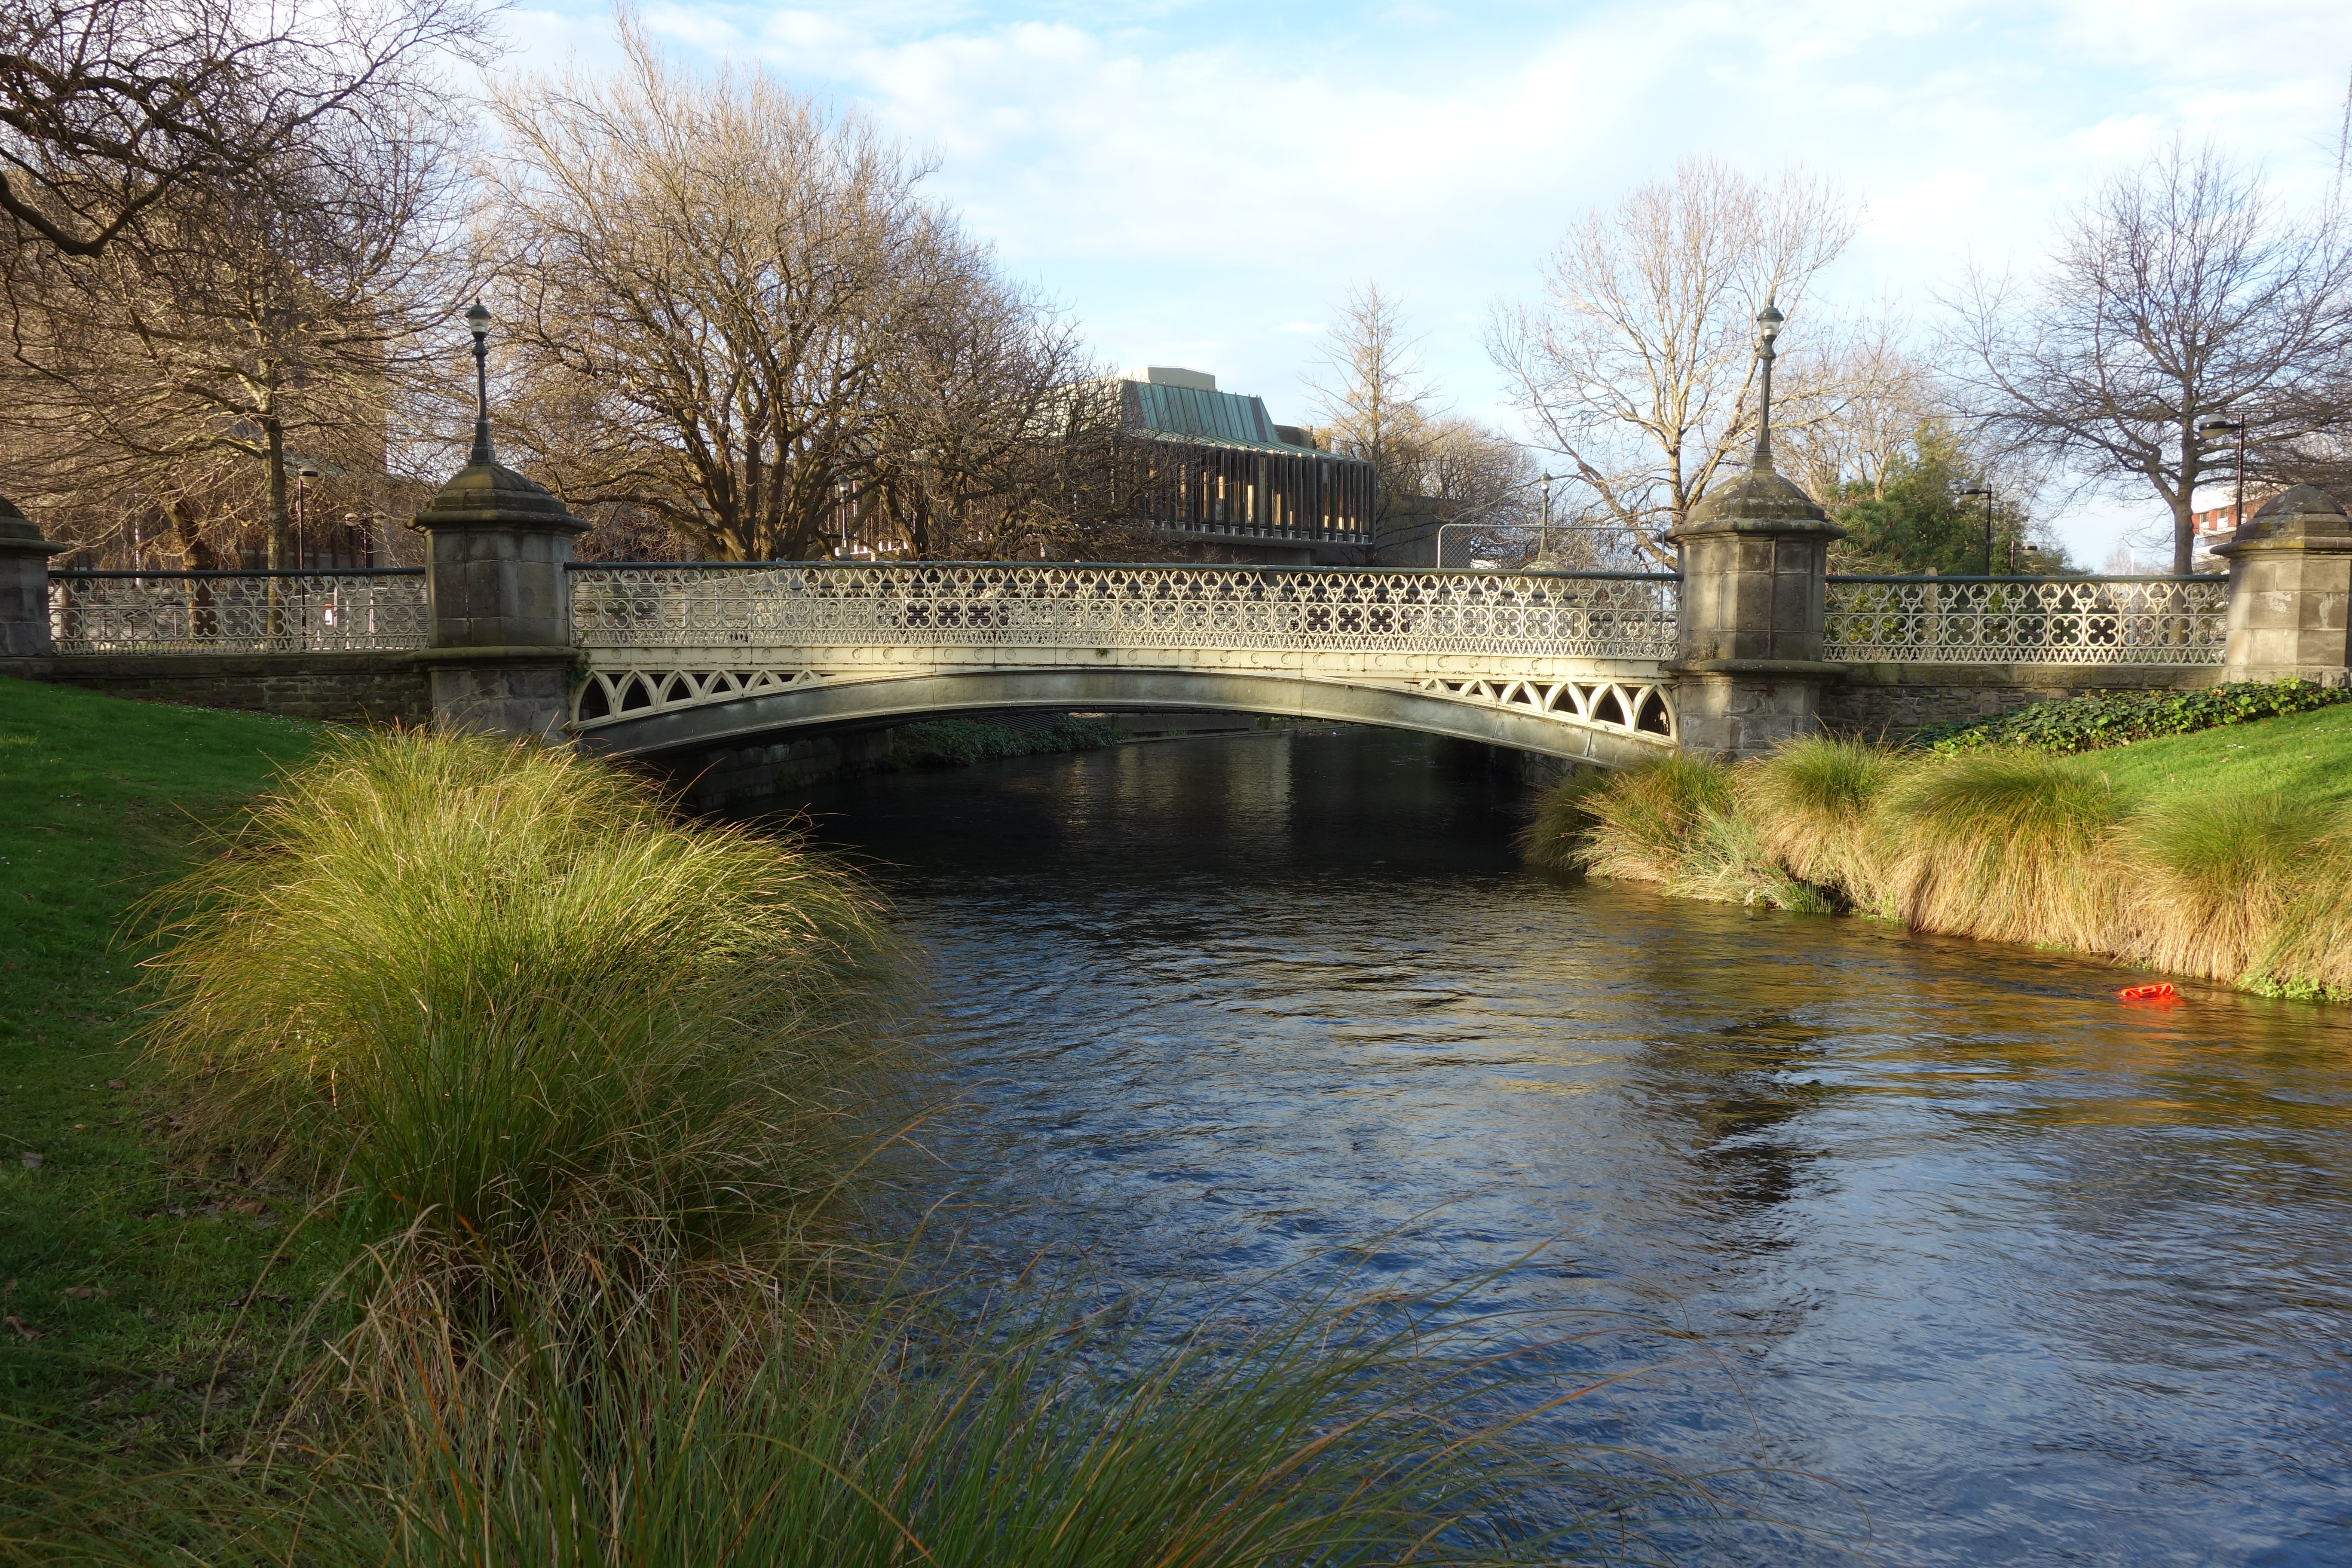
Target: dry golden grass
point(2004, 844)
point(2010, 846)
point(511, 1009)
point(2213, 877)
point(1819, 809)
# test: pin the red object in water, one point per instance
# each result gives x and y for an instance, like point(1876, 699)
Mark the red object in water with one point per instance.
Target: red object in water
point(2162, 991)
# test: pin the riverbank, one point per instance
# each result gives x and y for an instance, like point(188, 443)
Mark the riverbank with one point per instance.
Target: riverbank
point(505, 1176)
point(2223, 854)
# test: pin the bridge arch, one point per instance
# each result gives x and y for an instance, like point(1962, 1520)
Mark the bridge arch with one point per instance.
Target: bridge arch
point(691, 655)
point(640, 712)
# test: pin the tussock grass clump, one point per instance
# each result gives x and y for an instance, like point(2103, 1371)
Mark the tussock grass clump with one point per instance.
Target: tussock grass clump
point(2008, 845)
point(1346, 1433)
point(508, 1000)
point(2253, 888)
point(1557, 836)
point(1676, 823)
point(1644, 819)
point(1327, 1440)
point(2215, 876)
point(1818, 808)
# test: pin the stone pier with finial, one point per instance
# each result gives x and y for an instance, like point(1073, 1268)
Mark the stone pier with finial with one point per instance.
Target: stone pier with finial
point(1755, 597)
point(501, 651)
point(2291, 591)
point(23, 585)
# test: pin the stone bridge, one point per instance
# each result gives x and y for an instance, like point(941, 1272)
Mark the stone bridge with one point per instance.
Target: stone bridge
point(1753, 642)
point(684, 657)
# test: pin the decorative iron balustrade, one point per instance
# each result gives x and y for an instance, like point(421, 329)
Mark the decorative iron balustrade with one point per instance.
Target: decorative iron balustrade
point(377, 608)
point(2027, 620)
point(1232, 609)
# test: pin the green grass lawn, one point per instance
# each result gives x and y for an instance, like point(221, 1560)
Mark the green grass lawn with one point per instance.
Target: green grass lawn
point(2307, 755)
point(119, 1281)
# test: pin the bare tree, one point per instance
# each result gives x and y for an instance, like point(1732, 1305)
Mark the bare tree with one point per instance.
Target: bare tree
point(1372, 400)
point(108, 108)
point(735, 307)
point(1871, 395)
point(990, 433)
point(1637, 367)
point(2178, 295)
point(255, 330)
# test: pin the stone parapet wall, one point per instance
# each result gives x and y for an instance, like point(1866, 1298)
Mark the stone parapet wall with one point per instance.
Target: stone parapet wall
point(1882, 699)
point(383, 687)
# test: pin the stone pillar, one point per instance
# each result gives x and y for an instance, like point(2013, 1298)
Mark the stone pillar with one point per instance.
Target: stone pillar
point(23, 585)
point(500, 653)
point(2290, 588)
point(1754, 601)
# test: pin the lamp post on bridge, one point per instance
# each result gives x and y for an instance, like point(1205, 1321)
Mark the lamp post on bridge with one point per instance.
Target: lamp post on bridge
point(498, 599)
point(1748, 673)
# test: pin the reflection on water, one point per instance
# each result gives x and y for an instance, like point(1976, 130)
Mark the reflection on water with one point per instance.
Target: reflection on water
point(2033, 1276)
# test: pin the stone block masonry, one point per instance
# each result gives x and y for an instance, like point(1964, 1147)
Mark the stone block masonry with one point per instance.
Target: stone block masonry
point(350, 688)
point(1877, 700)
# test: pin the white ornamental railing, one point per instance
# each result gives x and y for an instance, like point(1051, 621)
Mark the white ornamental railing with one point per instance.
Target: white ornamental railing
point(370, 609)
point(2027, 620)
point(1234, 608)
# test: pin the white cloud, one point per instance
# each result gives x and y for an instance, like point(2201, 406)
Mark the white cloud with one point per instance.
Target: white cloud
point(1198, 184)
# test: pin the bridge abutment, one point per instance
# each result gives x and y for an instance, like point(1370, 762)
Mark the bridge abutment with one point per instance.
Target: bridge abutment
point(2291, 592)
point(499, 648)
point(1755, 601)
point(23, 585)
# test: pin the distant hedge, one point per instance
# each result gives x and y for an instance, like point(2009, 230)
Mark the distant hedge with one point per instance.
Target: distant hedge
point(2118, 718)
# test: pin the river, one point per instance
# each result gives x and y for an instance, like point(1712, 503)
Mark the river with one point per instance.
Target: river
point(2020, 1273)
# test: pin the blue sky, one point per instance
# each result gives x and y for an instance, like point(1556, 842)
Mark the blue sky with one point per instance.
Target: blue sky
point(1198, 183)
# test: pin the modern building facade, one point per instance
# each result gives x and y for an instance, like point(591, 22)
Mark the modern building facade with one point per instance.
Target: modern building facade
point(1211, 472)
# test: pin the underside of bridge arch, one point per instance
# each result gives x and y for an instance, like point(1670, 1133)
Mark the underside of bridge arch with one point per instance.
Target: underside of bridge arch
point(866, 703)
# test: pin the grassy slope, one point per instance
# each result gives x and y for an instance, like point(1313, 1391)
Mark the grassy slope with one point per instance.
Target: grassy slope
point(99, 799)
point(2305, 754)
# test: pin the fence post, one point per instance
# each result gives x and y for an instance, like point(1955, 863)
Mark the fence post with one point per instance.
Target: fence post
point(1755, 601)
point(23, 585)
point(2290, 587)
point(500, 650)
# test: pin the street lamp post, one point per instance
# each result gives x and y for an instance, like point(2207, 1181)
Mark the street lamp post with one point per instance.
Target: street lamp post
point(305, 472)
point(1986, 491)
point(2211, 428)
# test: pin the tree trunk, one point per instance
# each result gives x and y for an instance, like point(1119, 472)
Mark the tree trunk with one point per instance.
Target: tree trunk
point(278, 531)
point(2184, 531)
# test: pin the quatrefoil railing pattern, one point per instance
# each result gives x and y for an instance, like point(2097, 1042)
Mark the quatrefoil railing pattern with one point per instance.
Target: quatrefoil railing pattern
point(239, 612)
point(1226, 609)
point(2027, 620)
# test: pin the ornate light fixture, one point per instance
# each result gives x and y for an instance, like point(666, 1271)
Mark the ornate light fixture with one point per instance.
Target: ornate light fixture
point(478, 319)
point(1768, 328)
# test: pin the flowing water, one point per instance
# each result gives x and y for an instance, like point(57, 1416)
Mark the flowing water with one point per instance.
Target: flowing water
point(2021, 1274)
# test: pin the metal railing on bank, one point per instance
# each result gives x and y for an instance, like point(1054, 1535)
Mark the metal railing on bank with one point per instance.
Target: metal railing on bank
point(2027, 620)
point(718, 605)
point(357, 610)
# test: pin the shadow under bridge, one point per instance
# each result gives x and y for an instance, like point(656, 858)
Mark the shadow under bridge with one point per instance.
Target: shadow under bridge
point(1560, 664)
